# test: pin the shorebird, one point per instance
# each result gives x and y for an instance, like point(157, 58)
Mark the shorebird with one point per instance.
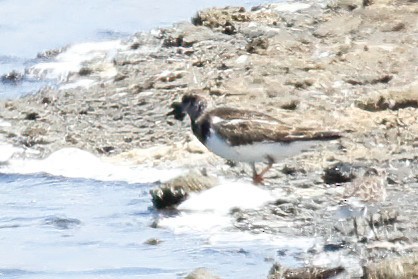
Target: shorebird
point(363, 197)
point(244, 135)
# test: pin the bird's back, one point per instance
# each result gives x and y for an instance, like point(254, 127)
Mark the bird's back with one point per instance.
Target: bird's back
point(241, 127)
point(367, 189)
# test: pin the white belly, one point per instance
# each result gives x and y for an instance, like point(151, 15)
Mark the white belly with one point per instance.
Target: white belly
point(354, 208)
point(256, 152)
point(346, 212)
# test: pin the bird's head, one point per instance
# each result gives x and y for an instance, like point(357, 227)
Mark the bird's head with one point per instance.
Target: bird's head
point(192, 104)
point(371, 171)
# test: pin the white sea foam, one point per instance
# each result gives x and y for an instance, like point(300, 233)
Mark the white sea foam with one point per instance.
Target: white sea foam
point(76, 163)
point(6, 152)
point(207, 214)
point(72, 59)
point(226, 196)
point(4, 123)
point(204, 214)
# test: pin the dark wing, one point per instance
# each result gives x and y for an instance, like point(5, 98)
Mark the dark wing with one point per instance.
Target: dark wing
point(234, 114)
point(245, 127)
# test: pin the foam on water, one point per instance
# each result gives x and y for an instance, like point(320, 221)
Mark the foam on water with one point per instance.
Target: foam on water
point(6, 152)
point(111, 218)
point(4, 123)
point(228, 195)
point(206, 212)
point(30, 27)
point(72, 59)
point(61, 69)
point(76, 163)
point(207, 215)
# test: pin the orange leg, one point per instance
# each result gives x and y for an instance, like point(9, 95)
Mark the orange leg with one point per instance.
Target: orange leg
point(258, 178)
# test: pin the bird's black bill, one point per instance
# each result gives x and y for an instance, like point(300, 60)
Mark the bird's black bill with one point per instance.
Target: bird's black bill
point(177, 111)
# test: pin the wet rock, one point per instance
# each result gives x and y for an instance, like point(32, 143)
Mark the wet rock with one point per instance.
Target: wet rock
point(167, 197)
point(11, 78)
point(85, 71)
point(105, 149)
point(135, 45)
point(339, 173)
point(46, 100)
point(201, 273)
point(333, 247)
point(153, 241)
point(177, 190)
point(32, 116)
point(62, 223)
point(48, 54)
point(279, 272)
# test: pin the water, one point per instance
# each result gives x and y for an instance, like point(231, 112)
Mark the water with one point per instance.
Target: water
point(30, 27)
point(76, 228)
point(73, 215)
point(55, 226)
point(80, 228)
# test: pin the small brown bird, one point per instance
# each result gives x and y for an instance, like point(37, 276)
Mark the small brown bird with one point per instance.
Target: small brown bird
point(363, 197)
point(244, 135)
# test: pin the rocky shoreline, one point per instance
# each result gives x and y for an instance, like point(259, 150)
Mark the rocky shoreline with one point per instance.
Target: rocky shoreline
point(344, 65)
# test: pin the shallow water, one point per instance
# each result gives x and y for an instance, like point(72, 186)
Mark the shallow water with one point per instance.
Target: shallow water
point(74, 216)
point(57, 223)
point(30, 27)
point(77, 228)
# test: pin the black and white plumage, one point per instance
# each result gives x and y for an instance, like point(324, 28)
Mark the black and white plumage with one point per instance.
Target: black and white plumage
point(244, 135)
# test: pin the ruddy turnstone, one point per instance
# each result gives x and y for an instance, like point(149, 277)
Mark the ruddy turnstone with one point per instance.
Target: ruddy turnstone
point(246, 136)
point(363, 197)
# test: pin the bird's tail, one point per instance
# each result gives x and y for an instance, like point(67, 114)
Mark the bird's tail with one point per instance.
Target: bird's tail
point(326, 135)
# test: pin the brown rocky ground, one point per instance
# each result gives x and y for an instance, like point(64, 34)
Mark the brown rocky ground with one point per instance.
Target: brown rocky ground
point(338, 65)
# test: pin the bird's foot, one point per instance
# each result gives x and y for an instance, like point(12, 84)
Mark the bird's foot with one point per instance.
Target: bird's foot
point(258, 179)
